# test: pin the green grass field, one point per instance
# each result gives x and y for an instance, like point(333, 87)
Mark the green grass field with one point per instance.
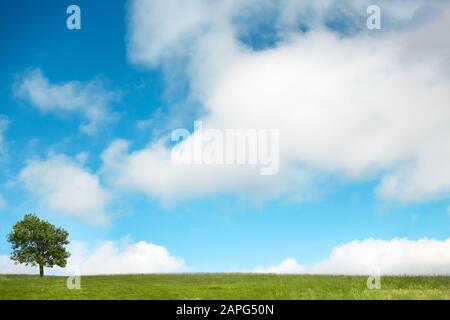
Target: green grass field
point(224, 286)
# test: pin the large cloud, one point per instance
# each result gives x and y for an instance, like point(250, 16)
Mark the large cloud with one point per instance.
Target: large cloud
point(152, 171)
point(109, 257)
point(397, 256)
point(352, 103)
point(63, 186)
point(126, 257)
point(160, 30)
point(89, 100)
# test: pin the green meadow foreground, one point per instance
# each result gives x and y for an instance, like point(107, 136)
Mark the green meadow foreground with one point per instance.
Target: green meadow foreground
point(224, 286)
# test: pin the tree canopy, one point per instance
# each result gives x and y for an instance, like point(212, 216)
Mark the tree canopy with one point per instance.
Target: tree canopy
point(38, 242)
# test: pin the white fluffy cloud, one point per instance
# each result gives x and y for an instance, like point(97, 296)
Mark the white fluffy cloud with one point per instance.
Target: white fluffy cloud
point(370, 105)
point(397, 257)
point(287, 266)
point(124, 257)
point(152, 171)
point(161, 30)
point(64, 186)
point(89, 100)
point(109, 257)
point(7, 266)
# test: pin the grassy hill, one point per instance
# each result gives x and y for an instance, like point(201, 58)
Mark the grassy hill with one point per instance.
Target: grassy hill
point(224, 286)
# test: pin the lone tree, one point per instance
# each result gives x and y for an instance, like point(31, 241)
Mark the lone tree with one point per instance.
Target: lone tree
point(38, 242)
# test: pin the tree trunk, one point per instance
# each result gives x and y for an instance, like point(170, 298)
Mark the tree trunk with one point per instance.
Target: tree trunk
point(41, 270)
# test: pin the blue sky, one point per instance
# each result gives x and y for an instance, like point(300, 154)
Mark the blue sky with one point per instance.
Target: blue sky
point(146, 92)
